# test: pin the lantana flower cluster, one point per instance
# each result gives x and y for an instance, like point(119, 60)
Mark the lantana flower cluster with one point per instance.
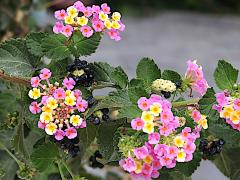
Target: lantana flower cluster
point(229, 108)
point(60, 107)
point(88, 20)
point(195, 78)
point(166, 144)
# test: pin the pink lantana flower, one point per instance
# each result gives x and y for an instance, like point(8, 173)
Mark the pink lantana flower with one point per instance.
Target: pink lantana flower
point(128, 164)
point(77, 94)
point(105, 8)
point(59, 135)
point(141, 152)
point(137, 124)
point(41, 125)
point(196, 115)
point(237, 104)
point(71, 133)
point(189, 148)
point(114, 34)
point(34, 108)
point(87, 11)
point(58, 27)
point(155, 98)
point(59, 93)
point(160, 150)
point(154, 138)
point(45, 74)
point(79, 6)
point(98, 26)
point(81, 105)
point(67, 30)
point(86, 31)
point(60, 14)
point(35, 81)
point(69, 83)
point(144, 103)
point(96, 9)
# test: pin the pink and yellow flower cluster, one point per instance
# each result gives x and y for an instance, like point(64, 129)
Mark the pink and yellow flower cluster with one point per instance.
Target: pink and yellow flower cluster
point(166, 144)
point(194, 76)
point(88, 20)
point(60, 107)
point(229, 108)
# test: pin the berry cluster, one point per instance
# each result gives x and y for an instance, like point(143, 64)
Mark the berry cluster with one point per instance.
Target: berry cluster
point(61, 108)
point(195, 79)
point(93, 160)
point(166, 144)
point(229, 108)
point(70, 146)
point(98, 116)
point(81, 72)
point(211, 148)
point(88, 20)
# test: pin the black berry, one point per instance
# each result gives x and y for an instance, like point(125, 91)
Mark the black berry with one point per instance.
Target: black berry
point(166, 94)
point(178, 84)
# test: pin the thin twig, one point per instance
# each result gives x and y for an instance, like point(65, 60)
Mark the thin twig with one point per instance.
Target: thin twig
point(16, 80)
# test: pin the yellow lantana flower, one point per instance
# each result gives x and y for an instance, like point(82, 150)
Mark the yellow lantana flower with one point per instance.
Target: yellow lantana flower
point(70, 100)
point(69, 20)
point(116, 16)
point(52, 103)
point(46, 117)
point(76, 120)
point(51, 128)
point(156, 109)
point(148, 127)
point(82, 21)
point(181, 156)
point(102, 16)
point(147, 116)
point(34, 93)
point(116, 25)
point(108, 24)
point(178, 141)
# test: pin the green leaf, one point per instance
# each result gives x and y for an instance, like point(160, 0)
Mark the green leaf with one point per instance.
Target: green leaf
point(135, 93)
point(148, 71)
point(206, 105)
point(225, 75)
point(54, 47)
point(34, 42)
point(108, 75)
point(228, 162)
point(18, 140)
point(129, 112)
point(59, 68)
point(105, 140)
point(171, 75)
point(82, 46)
point(9, 166)
point(225, 132)
point(15, 59)
point(136, 83)
point(44, 156)
point(119, 77)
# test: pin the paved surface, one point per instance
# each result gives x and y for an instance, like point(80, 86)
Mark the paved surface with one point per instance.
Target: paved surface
point(172, 38)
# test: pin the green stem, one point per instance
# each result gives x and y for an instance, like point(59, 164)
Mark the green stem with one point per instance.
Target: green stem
point(11, 154)
point(60, 170)
point(68, 169)
point(185, 103)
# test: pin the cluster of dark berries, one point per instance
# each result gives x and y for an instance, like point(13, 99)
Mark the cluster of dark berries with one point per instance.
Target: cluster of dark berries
point(70, 146)
point(93, 160)
point(211, 148)
point(98, 116)
point(81, 72)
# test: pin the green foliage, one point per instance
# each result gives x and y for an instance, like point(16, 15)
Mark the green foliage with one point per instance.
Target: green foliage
point(225, 75)
point(16, 60)
point(82, 46)
point(44, 156)
point(172, 76)
point(148, 71)
point(108, 76)
point(228, 162)
point(34, 43)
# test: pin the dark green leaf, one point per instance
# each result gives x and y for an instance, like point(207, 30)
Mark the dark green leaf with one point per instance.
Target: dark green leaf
point(44, 156)
point(119, 77)
point(129, 112)
point(54, 47)
point(82, 46)
point(135, 93)
point(18, 140)
point(148, 71)
point(171, 75)
point(16, 60)
point(136, 82)
point(225, 75)
point(34, 41)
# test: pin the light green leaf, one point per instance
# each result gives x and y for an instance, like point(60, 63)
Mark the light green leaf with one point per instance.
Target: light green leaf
point(44, 156)
point(225, 75)
point(82, 46)
point(148, 71)
point(171, 75)
point(34, 41)
point(15, 59)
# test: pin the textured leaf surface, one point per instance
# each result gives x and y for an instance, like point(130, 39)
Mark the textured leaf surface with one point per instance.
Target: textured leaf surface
point(172, 76)
point(225, 75)
point(148, 71)
point(43, 156)
point(15, 59)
